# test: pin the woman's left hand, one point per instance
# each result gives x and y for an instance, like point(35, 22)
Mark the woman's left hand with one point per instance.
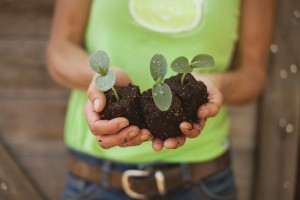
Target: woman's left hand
point(210, 109)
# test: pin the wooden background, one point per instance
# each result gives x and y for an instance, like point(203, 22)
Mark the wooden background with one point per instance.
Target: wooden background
point(32, 106)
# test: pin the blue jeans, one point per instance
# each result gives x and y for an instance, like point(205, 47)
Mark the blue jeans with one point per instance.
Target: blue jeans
point(219, 186)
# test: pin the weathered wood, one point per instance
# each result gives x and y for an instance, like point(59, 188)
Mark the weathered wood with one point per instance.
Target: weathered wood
point(22, 65)
point(243, 125)
point(32, 114)
point(243, 161)
point(278, 137)
point(44, 162)
point(242, 134)
point(298, 178)
point(32, 106)
point(27, 93)
point(30, 17)
point(13, 183)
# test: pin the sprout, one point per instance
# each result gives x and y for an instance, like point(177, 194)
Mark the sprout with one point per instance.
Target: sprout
point(99, 62)
point(161, 92)
point(181, 64)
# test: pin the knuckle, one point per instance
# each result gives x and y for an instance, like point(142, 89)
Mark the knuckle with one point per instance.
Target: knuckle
point(147, 136)
point(92, 128)
point(89, 92)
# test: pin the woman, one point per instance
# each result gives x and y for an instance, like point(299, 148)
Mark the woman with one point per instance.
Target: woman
point(131, 31)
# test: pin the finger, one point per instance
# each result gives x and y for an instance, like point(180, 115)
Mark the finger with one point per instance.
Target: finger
point(96, 96)
point(118, 139)
point(202, 123)
point(215, 96)
point(157, 144)
point(91, 115)
point(174, 143)
point(207, 110)
point(211, 109)
point(190, 130)
point(107, 127)
point(144, 136)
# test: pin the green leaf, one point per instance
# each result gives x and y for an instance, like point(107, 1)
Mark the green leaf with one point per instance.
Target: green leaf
point(202, 60)
point(158, 68)
point(181, 65)
point(105, 83)
point(162, 96)
point(99, 61)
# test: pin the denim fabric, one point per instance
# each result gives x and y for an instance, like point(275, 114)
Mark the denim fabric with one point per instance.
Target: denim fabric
point(219, 186)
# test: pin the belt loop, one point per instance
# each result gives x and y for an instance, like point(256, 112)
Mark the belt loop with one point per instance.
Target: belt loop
point(185, 172)
point(106, 173)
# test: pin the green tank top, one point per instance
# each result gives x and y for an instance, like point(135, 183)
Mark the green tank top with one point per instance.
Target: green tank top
point(131, 32)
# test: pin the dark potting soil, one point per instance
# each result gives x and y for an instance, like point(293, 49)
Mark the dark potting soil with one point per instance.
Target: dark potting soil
point(128, 106)
point(192, 94)
point(162, 124)
point(141, 111)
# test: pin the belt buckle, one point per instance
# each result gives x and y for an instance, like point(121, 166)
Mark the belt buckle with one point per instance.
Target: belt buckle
point(159, 178)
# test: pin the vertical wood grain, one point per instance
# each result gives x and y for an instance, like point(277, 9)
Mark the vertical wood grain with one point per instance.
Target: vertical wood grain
point(278, 134)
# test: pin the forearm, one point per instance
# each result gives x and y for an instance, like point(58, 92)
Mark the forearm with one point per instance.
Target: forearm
point(68, 64)
point(247, 81)
point(237, 87)
point(241, 86)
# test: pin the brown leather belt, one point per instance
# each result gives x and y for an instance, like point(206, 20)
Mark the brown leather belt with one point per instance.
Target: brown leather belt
point(151, 182)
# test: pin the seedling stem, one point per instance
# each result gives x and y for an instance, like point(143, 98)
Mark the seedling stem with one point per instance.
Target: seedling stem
point(115, 93)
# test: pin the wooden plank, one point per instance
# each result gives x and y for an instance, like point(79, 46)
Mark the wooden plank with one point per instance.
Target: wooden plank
point(242, 132)
point(52, 169)
point(243, 162)
point(22, 65)
point(42, 160)
point(13, 183)
point(243, 125)
point(35, 139)
point(32, 114)
point(30, 17)
point(278, 136)
point(298, 177)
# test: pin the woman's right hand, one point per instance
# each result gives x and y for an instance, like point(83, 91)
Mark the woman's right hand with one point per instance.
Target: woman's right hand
point(117, 131)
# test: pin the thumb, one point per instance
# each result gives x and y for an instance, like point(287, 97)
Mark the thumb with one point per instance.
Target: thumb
point(96, 96)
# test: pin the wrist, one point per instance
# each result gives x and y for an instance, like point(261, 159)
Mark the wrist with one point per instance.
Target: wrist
point(122, 78)
point(210, 79)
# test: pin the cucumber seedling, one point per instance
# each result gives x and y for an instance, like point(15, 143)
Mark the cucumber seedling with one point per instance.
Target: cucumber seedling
point(161, 109)
point(161, 92)
point(121, 101)
point(100, 63)
point(181, 64)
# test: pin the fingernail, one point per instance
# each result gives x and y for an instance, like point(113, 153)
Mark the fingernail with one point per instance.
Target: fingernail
point(197, 127)
point(189, 127)
point(123, 125)
point(133, 134)
point(97, 104)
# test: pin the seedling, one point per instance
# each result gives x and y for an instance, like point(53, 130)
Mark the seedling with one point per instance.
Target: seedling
point(181, 64)
point(161, 92)
point(99, 62)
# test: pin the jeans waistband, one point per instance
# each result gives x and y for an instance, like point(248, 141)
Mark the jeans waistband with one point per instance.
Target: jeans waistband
point(116, 165)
